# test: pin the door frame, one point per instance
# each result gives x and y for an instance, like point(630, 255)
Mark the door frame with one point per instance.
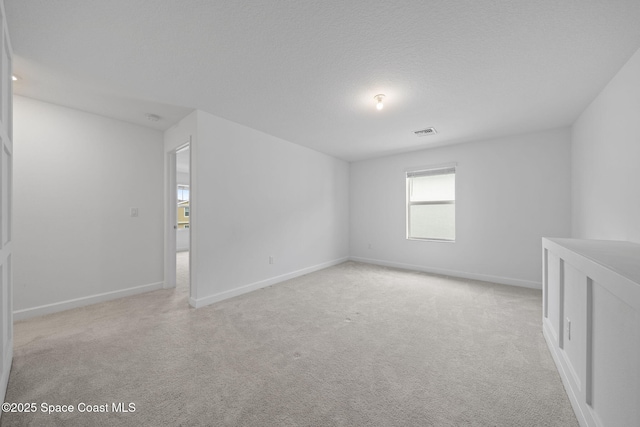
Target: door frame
point(171, 220)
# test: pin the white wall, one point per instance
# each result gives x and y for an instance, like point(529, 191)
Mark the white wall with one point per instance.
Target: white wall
point(76, 177)
point(510, 192)
point(606, 159)
point(255, 196)
point(180, 134)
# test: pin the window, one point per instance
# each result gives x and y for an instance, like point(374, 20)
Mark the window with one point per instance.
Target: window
point(431, 204)
point(183, 207)
point(183, 193)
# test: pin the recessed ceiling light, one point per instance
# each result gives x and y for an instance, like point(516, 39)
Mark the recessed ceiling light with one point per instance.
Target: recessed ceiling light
point(379, 98)
point(14, 77)
point(152, 117)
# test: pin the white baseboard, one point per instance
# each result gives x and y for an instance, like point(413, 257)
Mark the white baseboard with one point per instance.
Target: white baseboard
point(453, 273)
point(81, 302)
point(6, 368)
point(201, 302)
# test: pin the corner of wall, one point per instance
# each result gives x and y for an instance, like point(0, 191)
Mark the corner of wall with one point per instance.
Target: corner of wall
point(604, 156)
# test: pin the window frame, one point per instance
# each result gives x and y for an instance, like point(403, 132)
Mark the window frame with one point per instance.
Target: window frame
point(429, 171)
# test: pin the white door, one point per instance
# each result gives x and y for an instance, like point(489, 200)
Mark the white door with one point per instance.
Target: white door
point(6, 175)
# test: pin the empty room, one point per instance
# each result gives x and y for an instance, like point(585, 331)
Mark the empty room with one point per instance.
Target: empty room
point(338, 213)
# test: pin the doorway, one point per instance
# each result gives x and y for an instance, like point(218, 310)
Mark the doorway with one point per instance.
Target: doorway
point(183, 216)
point(178, 216)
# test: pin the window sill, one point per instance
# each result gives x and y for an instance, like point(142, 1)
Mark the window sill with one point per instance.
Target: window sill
point(418, 239)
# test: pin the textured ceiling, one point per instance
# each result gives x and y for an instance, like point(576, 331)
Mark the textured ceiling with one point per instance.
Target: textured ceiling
point(307, 71)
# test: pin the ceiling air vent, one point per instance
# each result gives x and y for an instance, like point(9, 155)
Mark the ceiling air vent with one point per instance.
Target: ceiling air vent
point(425, 132)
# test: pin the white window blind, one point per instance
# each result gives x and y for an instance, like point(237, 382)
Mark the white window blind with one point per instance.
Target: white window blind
point(431, 204)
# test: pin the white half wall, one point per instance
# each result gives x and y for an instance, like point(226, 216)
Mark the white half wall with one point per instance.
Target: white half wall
point(76, 176)
point(258, 196)
point(510, 192)
point(605, 157)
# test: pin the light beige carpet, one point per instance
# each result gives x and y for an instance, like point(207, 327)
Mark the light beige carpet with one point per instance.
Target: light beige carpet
point(351, 345)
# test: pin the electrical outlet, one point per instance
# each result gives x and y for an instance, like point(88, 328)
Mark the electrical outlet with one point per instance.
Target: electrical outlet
point(271, 261)
point(134, 212)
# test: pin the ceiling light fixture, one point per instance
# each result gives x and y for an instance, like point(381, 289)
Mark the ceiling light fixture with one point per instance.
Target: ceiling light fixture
point(152, 117)
point(14, 77)
point(379, 98)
